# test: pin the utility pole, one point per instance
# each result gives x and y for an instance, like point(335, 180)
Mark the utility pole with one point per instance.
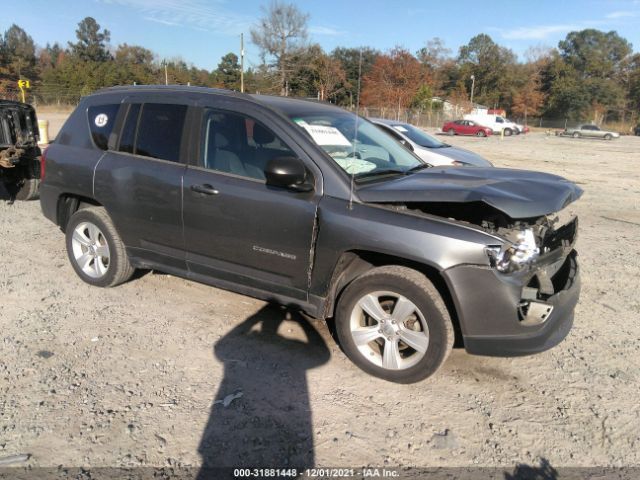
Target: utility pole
point(166, 75)
point(473, 85)
point(242, 62)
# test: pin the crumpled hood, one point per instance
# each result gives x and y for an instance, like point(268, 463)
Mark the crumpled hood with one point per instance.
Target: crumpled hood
point(517, 193)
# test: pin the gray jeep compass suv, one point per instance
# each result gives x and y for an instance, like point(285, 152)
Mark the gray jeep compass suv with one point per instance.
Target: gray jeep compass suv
point(308, 205)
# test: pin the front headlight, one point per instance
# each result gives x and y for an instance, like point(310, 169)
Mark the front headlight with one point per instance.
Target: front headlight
point(511, 257)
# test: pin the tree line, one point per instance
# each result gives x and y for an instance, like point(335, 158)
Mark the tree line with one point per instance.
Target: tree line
point(590, 75)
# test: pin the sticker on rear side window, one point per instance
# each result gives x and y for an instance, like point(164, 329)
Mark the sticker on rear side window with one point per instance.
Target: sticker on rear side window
point(101, 120)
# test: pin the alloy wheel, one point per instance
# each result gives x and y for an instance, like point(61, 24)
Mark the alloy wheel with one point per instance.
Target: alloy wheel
point(389, 330)
point(90, 250)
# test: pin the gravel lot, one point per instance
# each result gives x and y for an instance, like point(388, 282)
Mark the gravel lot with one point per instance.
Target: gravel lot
point(166, 372)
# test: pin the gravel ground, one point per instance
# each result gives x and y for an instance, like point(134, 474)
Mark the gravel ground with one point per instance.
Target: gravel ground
point(166, 372)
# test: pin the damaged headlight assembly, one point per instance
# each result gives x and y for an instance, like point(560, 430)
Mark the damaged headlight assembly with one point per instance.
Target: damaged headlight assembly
point(514, 255)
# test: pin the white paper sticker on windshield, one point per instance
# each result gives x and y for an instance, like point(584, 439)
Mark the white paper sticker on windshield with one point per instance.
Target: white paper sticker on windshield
point(400, 128)
point(101, 120)
point(324, 135)
point(355, 165)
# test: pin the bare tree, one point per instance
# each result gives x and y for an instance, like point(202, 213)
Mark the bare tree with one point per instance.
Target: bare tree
point(329, 76)
point(281, 30)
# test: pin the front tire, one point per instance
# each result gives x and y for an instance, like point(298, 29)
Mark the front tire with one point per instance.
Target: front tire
point(608, 136)
point(393, 324)
point(481, 133)
point(508, 132)
point(95, 250)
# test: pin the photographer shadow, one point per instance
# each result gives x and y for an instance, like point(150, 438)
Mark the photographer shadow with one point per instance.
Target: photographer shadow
point(261, 416)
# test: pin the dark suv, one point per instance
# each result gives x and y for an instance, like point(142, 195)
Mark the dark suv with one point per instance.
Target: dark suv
point(308, 205)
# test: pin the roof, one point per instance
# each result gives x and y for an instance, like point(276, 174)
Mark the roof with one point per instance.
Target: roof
point(287, 105)
point(168, 89)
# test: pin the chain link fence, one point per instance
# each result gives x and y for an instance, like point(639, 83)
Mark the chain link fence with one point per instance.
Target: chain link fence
point(53, 96)
point(547, 123)
point(419, 118)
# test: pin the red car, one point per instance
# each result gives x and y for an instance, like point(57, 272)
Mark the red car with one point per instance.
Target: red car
point(466, 127)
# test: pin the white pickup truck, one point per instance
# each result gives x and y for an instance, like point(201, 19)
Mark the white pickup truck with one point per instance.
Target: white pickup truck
point(497, 123)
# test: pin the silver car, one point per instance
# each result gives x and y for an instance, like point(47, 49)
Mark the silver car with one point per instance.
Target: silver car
point(428, 148)
point(589, 131)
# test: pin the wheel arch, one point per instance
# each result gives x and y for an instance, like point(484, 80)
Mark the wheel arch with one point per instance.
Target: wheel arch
point(68, 204)
point(354, 263)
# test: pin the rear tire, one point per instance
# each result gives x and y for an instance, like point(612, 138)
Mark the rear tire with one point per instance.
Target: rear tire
point(576, 135)
point(29, 190)
point(393, 324)
point(451, 132)
point(95, 249)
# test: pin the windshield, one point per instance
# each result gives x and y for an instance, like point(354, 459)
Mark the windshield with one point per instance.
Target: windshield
point(365, 153)
point(418, 137)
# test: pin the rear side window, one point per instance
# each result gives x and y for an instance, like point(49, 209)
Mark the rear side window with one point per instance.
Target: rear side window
point(101, 121)
point(160, 131)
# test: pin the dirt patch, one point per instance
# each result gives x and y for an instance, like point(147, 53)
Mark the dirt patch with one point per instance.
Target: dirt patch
point(151, 372)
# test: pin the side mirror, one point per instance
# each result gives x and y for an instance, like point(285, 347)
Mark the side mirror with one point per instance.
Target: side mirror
point(287, 172)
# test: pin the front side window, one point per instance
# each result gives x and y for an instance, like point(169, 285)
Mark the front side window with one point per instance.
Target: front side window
point(237, 144)
point(101, 120)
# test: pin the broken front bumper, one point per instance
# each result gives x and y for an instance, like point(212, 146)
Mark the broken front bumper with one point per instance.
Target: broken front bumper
point(489, 308)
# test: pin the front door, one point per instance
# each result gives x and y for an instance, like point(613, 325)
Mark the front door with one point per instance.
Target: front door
point(237, 228)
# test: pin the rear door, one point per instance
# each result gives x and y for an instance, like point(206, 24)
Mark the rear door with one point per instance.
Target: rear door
point(237, 228)
point(139, 180)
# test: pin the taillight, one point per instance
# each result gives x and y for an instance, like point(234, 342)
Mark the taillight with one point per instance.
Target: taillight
point(43, 163)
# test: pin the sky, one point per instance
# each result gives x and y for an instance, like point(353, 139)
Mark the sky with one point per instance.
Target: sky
point(202, 31)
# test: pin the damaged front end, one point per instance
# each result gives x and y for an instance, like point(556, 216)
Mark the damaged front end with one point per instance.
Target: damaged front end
point(522, 301)
point(537, 253)
point(533, 251)
point(518, 296)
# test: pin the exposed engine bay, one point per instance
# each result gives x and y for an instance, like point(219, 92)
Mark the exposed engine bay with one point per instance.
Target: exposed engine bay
point(550, 231)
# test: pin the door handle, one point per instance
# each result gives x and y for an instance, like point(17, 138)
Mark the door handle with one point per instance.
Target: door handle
point(206, 189)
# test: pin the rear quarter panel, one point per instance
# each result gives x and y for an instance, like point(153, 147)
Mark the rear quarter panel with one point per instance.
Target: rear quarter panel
point(71, 160)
